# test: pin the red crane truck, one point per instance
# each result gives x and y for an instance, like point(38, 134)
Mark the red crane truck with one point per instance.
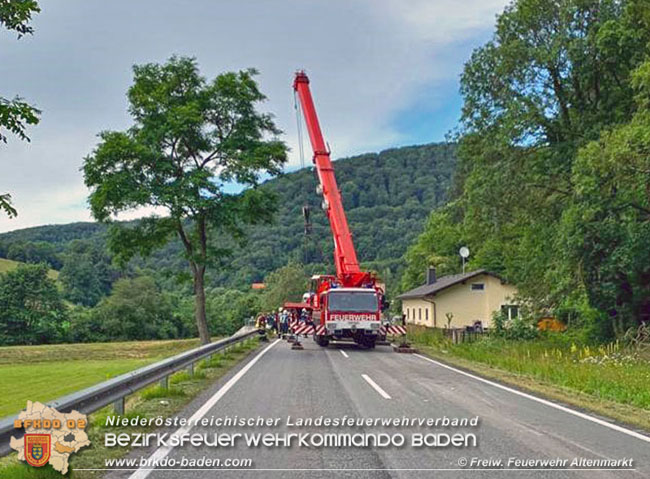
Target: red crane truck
point(348, 305)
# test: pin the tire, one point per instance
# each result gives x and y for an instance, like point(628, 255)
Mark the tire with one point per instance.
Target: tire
point(369, 343)
point(322, 341)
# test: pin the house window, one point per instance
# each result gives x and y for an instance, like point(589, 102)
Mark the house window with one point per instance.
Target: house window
point(478, 286)
point(426, 315)
point(510, 311)
point(419, 314)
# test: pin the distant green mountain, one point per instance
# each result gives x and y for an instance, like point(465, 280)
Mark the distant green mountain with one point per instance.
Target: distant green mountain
point(387, 197)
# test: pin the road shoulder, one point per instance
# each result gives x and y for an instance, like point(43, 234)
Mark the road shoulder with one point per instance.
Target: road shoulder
point(621, 414)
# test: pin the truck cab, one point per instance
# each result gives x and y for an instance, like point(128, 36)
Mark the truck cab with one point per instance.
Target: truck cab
point(350, 314)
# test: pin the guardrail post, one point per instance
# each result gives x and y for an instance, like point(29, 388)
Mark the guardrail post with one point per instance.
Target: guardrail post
point(119, 405)
point(164, 382)
point(190, 369)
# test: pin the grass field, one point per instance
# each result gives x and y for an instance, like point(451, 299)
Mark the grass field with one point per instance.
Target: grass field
point(42, 373)
point(150, 402)
point(8, 265)
point(609, 379)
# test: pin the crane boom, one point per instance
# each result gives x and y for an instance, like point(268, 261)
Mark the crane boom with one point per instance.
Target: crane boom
point(347, 306)
point(345, 256)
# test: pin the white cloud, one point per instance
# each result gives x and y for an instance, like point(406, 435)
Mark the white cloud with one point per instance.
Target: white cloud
point(369, 61)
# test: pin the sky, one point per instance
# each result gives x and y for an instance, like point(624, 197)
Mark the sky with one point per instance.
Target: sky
point(384, 73)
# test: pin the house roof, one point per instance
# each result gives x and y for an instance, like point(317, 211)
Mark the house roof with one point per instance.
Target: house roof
point(442, 283)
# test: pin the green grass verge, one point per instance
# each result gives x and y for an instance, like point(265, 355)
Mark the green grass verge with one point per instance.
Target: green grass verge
point(150, 402)
point(46, 381)
point(608, 379)
point(45, 372)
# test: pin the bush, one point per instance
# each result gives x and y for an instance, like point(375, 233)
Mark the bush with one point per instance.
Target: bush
point(136, 309)
point(515, 329)
point(85, 326)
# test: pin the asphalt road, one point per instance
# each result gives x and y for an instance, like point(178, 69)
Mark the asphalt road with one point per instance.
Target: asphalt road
point(383, 384)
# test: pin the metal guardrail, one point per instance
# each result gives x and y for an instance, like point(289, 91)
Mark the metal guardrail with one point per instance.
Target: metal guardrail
point(114, 391)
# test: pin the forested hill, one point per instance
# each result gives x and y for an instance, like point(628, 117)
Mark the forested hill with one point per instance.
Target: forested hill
point(386, 195)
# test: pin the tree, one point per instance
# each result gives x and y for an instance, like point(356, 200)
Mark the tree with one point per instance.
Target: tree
point(229, 308)
point(437, 246)
point(190, 137)
point(287, 283)
point(87, 273)
point(16, 114)
point(136, 309)
point(34, 252)
point(31, 309)
point(555, 75)
point(607, 228)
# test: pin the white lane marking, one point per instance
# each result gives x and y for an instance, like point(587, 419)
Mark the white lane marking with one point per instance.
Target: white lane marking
point(163, 451)
point(376, 386)
point(615, 427)
point(344, 353)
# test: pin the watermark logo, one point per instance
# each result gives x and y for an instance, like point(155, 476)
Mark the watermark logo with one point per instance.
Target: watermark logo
point(51, 437)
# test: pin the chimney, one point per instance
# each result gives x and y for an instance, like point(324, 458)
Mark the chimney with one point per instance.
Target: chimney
point(431, 275)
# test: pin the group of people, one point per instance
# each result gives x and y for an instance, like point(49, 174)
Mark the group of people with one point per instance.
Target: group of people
point(278, 321)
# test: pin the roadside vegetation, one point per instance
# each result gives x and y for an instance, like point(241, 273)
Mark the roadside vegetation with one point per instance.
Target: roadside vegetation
point(610, 378)
point(150, 402)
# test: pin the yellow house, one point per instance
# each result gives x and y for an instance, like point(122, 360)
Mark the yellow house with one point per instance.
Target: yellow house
point(465, 298)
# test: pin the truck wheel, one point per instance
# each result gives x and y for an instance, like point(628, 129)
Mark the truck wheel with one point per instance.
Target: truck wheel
point(369, 343)
point(322, 341)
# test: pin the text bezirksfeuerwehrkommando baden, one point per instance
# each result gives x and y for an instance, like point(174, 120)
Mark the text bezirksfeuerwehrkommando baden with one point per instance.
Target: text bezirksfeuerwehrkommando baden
point(290, 439)
point(291, 422)
point(230, 431)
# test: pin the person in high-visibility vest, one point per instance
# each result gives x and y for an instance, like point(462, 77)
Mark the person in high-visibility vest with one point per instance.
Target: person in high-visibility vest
point(260, 323)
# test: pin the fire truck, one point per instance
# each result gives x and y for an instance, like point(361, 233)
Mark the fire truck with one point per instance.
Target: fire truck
point(347, 305)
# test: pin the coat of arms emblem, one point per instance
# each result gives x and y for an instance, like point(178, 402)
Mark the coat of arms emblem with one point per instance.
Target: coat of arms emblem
point(37, 449)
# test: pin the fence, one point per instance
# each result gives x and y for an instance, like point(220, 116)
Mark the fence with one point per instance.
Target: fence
point(464, 335)
point(114, 391)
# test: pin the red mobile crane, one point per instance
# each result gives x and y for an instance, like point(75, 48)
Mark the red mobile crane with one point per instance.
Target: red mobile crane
point(347, 305)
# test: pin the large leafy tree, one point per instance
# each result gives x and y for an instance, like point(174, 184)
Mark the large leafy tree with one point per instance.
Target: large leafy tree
point(287, 283)
point(229, 308)
point(607, 228)
point(31, 309)
point(554, 76)
point(16, 114)
point(190, 138)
